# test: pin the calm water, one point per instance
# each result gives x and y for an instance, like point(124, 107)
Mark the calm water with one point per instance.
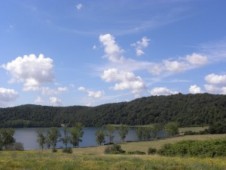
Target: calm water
point(28, 137)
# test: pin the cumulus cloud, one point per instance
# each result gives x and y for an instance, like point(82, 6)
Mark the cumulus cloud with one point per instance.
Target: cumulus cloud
point(165, 67)
point(39, 100)
point(53, 91)
point(216, 83)
point(196, 59)
point(194, 89)
point(91, 93)
point(55, 101)
point(162, 91)
point(112, 51)
point(212, 89)
point(7, 95)
point(140, 45)
point(79, 6)
point(124, 80)
point(31, 70)
point(216, 79)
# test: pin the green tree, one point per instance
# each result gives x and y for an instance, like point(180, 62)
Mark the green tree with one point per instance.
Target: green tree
point(100, 136)
point(110, 132)
point(155, 129)
point(76, 134)
point(123, 131)
point(66, 136)
point(171, 128)
point(41, 139)
point(6, 138)
point(52, 136)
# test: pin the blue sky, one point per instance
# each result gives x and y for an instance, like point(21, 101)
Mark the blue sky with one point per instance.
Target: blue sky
point(101, 51)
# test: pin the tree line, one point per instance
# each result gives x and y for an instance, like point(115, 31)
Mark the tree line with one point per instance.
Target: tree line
point(187, 110)
point(73, 135)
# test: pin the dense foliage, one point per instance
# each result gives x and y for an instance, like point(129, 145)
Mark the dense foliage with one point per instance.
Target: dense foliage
point(209, 148)
point(187, 110)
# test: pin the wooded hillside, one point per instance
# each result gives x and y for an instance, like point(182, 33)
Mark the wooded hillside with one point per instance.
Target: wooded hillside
point(187, 110)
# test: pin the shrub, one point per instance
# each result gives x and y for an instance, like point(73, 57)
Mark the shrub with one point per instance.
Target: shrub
point(54, 150)
point(67, 150)
point(15, 147)
point(136, 153)
point(209, 148)
point(151, 151)
point(114, 149)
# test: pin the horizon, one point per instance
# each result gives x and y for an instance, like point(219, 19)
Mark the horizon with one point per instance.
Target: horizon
point(79, 53)
point(33, 104)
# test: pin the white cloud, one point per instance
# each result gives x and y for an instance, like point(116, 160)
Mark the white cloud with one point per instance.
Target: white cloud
point(140, 45)
point(112, 50)
point(196, 59)
point(91, 93)
point(212, 89)
point(55, 101)
point(39, 101)
point(7, 95)
point(53, 91)
point(79, 6)
point(194, 89)
point(165, 67)
point(216, 79)
point(31, 70)
point(216, 83)
point(162, 91)
point(124, 80)
point(174, 66)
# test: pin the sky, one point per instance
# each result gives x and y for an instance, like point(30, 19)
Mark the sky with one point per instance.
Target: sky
point(70, 52)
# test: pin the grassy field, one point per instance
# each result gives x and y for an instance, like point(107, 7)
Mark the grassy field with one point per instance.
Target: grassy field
point(93, 158)
point(192, 129)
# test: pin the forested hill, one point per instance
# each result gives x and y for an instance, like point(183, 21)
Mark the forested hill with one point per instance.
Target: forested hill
point(187, 110)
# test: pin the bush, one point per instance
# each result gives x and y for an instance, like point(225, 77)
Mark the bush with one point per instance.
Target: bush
point(114, 149)
point(209, 148)
point(190, 133)
point(54, 150)
point(136, 153)
point(15, 147)
point(67, 150)
point(151, 151)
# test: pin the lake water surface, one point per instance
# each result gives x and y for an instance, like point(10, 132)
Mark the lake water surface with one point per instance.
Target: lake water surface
point(28, 137)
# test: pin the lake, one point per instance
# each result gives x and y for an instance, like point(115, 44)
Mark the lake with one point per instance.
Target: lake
point(28, 137)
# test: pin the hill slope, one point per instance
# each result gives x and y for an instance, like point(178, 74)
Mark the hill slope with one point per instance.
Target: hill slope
point(188, 110)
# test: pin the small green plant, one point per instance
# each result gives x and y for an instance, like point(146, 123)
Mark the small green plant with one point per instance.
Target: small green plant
point(114, 149)
point(152, 151)
point(67, 150)
point(136, 153)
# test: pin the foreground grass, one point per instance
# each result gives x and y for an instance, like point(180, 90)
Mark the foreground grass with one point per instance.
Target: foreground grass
point(36, 160)
point(93, 158)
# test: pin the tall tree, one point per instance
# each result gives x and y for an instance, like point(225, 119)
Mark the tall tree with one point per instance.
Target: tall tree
point(123, 131)
point(66, 136)
point(52, 136)
point(156, 128)
point(41, 139)
point(171, 128)
point(76, 134)
point(110, 132)
point(100, 136)
point(6, 138)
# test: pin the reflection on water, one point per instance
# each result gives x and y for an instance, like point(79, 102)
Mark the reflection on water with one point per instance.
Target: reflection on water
point(28, 137)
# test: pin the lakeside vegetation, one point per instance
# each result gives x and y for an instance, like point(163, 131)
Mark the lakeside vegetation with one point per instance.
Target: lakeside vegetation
point(93, 158)
point(186, 110)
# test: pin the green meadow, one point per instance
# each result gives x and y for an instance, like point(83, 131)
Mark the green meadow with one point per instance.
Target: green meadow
point(93, 158)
